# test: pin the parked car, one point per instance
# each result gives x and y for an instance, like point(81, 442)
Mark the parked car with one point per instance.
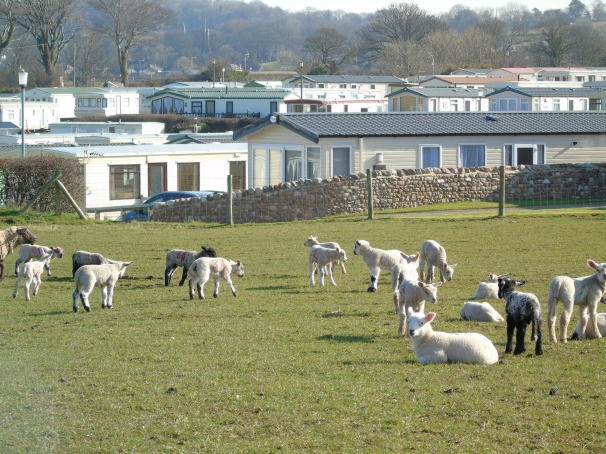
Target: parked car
point(142, 215)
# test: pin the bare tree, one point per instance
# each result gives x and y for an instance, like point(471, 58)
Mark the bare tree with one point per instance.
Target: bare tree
point(326, 45)
point(598, 12)
point(129, 24)
point(401, 59)
point(46, 21)
point(7, 22)
point(589, 46)
point(554, 41)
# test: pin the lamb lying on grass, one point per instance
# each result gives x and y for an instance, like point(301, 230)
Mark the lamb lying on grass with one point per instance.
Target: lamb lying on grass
point(488, 290)
point(589, 330)
point(104, 276)
point(437, 347)
point(32, 272)
point(323, 258)
point(480, 312)
point(313, 241)
point(203, 268)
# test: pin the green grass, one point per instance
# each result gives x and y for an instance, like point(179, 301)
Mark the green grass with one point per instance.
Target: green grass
point(284, 366)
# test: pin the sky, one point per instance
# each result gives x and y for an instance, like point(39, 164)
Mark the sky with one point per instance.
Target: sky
point(432, 6)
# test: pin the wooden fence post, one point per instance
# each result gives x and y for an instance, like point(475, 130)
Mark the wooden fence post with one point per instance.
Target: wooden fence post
point(370, 195)
point(502, 191)
point(57, 199)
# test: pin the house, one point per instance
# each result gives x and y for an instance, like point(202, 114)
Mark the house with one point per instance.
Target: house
point(287, 147)
point(532, 74)
point(116, 127)
point(39, 112)
point(421, 99)
point(220, 102)
point(471, 72)
point(334, 86)
point(546, 98)
point(477, 82)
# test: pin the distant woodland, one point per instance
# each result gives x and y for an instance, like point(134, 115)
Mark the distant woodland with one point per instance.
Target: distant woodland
point(142, 42)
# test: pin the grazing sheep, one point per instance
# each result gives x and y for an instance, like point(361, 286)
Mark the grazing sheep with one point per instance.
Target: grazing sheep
point(522, 309)
point(104, 276)
point(437, 347)
point(313, 241)
point(435, 255)
point(200, 271)
point(377, 260)
point(480, 312)
point(413, 294)
point(488, 290)
point(29, 252)
point(10, 239)
point(584, 292)
point(81, 258)
point(32, 272)
point(589, 330)
point(178, 257)
point(405, 270)
point(323, 257)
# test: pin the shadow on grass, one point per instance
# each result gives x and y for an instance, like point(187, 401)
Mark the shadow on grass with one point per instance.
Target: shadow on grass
point(53, 313)
point(272, 287)
point(343, 314)
point(347, 339)
point(61, 279)
point(378, 362)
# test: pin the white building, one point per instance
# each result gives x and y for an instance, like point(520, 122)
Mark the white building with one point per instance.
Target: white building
point(101, 127)
point(39, 112)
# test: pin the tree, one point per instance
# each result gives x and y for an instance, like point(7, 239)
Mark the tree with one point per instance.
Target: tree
point(129, 24)
point(7, 22)
point(399, 22)
point(401, 59)
point(576, 9)
point(326, 45)
point(598, 12)
point(555, 40)
point(46, 21)
point(318, 68)
point(589, 46)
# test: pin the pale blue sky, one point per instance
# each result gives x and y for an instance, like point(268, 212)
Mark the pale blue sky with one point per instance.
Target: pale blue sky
point(433, 6)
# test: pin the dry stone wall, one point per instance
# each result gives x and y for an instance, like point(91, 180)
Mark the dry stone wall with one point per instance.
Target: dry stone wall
point(314, 199)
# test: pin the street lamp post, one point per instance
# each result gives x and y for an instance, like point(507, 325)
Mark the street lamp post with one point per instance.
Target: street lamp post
point(223, 77)
point(140, 65)
point(22, 84)
point(245, 56)
point(214, 73)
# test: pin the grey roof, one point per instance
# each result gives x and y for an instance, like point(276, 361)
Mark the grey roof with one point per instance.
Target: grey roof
point(476, 71)
point(8, 125)
point(441, 92)
point(548, 92)
point(344, 79)
point(313, 126)
point(205, 138)
point(223, 93)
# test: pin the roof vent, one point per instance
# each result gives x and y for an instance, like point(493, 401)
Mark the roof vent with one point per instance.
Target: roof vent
point(491, 118)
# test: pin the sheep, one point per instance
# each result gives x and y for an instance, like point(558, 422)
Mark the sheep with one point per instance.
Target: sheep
point(376, 260)
point(438, 347)
point(200, 271)
point(81, 258)
point(435, 255)
point(480, 312)
point(413, 294)
point(488, 290)
point(522, 309)
point(178, 257)
point(323, 257)
point(29, 252)
point(11, 238)
point(584, 292)
point(405, 270)
point(32, 271)
point(313, 241)
point(104, 276)
point(589, 330)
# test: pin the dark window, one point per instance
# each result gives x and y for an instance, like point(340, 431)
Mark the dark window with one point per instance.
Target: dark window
point(188, 176)
point(124, 182)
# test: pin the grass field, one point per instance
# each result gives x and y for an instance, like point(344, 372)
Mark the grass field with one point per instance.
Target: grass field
point(287, 367)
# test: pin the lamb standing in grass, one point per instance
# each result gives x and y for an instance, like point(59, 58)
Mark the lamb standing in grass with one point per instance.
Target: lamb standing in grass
point(585, 292)
point(413, 294)
point(480, 312)
point(10, 239)
point(488, 290)
point(522, 309)
point(437, 347)
point(323, 258)
point(104, 276)
point(313, 241)
point(29, 252)
point(435, 255)
point(32, 272)
point(377, 260)
point(406, 270)
point(200, 271)
point(178, 257)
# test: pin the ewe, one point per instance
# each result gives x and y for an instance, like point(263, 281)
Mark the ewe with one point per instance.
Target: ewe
point(10, 239)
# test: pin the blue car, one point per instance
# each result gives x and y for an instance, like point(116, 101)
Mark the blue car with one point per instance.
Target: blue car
point(142, 215)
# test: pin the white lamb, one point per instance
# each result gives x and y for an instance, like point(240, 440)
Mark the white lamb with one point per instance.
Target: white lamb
point(28, 252)
point(32, 272)
point(435, 255)
point(323, 257)
point(104, 276)
point(480, 312)
point(589, 330)
point(488, 290)
point(437, 347)
point(313, 241)
point(218, 267)
point(413, 294)
point(406, 270)
point(377, 260)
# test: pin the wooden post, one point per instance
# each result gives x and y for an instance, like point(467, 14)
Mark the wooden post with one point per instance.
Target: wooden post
point(230, 217)
point(71, 201)
point(57, 200)
point(42, 190)
point(370, 195)
point(502, 191)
